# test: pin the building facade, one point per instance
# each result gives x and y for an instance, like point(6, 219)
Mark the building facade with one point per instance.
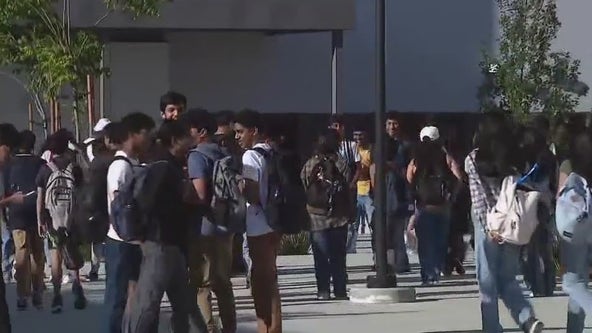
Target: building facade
point(283, 66)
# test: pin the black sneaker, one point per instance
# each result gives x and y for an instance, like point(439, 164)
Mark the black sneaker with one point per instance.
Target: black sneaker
point(56, 304)
point(79, 299)
point(37, 300)
point(93, 277)
point(533, 325)
point(342, 297)
point(21, 304)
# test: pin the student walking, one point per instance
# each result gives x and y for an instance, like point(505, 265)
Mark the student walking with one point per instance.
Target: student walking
point(495, 157)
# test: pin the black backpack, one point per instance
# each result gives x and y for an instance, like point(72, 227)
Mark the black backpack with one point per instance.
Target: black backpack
point(327, 189)
point(433, 183)
point(91, 214)
point(286, 200)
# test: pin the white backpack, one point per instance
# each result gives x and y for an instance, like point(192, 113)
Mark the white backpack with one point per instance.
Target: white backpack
point(514, 216)
point(59, 195)
point(572, 211)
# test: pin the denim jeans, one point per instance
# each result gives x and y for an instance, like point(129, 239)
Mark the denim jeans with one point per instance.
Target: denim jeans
point(576, 258)
point(122, 265)
point(497, 268)
point(365, 210)
point(163, 269)
point(431, 229)
point(8, 251)
point(328, 248)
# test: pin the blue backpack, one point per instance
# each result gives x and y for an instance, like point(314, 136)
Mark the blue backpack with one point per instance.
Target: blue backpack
point(572, 211)
point(128, 219)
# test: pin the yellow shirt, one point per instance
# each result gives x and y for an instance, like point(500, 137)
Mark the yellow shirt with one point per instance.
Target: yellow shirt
point(365, 161)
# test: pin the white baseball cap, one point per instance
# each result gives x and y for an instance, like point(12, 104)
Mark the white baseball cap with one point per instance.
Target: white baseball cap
point(431, 132)
point(101, 124)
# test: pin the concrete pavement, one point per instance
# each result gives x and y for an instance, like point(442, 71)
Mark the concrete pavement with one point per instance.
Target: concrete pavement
point(451, 307)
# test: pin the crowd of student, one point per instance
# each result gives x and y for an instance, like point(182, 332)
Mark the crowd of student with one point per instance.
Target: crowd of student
point(162, 207)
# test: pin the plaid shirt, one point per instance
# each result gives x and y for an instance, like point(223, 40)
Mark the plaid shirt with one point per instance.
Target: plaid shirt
point(482, 197)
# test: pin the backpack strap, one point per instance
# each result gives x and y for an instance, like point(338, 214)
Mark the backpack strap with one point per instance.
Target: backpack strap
point(261, 151)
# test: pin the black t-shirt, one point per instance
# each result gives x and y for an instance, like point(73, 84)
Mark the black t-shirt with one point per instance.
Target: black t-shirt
point(20, 176)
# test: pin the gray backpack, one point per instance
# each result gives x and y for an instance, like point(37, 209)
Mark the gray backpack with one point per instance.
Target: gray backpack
point(572, 211)
point(59, 195)
point(229, 208)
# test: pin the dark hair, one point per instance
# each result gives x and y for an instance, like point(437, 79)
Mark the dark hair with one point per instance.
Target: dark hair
point(580, 154)
point(135, 122)
point(115, 132)
point(58, 142)
point(199, 119)
point(534, 150)
point(249, 119)
point(224, 117)
point(27, 141)
point(430, 158)
point(393, 115)
point(498, 152)
point(327, 142)
point(9, 135)
point(172, 98)
point(171, 131)
point(337, 119)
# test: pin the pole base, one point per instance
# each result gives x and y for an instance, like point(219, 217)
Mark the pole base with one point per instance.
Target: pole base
point(387, 281)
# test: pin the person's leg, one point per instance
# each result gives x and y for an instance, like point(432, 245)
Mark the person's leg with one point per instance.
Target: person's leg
point(221, 270)
point(154, 279)
point(8, 253)
point(508, 286)
point(133, 257)
point(22, 265)
point(337, 238)
point(399, 224)
point(264, 288)
point(368, 210)
point(575, 258)
point(247, 260)
point(56, 277)
point(4, 312)
point(442, 231)
point(37, 262)
point(486, 258)
point(116, 284)
point(97, 254)
point(423, 231)
point(200, 278)
point(320, 251)
point(352, 239)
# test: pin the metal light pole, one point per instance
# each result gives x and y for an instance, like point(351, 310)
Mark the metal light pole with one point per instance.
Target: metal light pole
point(382, 279)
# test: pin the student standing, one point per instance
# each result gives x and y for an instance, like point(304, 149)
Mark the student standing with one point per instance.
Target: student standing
point(29, 252)
point(263, 240)
point(122, 260)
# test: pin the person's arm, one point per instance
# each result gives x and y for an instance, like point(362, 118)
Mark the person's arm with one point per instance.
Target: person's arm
point(372, 175)
point(411, 171)
point(304, 174)
point(455, 168)
point(357, 173)
point(197, 170)
point(251, 172)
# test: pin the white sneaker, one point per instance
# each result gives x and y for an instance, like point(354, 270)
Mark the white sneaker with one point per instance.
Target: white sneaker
point(66, 279)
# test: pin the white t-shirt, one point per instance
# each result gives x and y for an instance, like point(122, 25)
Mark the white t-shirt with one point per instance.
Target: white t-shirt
point(119, 172)
point(255, 169)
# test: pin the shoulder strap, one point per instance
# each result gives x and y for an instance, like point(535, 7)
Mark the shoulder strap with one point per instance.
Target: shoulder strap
point(52, 166)
point(489, 200)
point(261, 151)
point(122, 158)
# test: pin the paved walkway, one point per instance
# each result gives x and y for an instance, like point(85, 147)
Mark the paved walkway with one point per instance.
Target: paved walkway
point(451, 307)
